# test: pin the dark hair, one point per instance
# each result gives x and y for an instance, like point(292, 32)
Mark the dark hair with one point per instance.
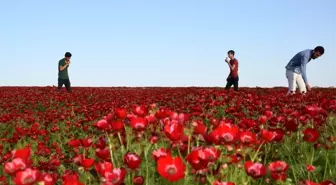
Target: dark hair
point(231, 52)
point(319, 49)
point(68, 54)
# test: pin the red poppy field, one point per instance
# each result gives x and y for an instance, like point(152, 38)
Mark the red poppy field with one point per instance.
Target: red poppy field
point(162, 136)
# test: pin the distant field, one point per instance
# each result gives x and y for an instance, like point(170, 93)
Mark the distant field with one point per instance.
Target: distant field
point(161, 136)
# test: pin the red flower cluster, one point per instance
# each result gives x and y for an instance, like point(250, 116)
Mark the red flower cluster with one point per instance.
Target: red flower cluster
point(116, 136)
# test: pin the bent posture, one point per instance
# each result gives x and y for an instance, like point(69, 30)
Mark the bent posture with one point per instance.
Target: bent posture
point(63, 76)
point(233, 78)
point(296, 69)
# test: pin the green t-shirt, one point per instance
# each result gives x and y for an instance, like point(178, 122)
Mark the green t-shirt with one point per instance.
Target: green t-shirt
point(62, 74)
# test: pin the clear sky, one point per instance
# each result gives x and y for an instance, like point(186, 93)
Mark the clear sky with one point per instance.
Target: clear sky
point(164, 43)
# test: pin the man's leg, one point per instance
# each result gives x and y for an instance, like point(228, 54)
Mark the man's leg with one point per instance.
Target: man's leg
point(291, 77)
point(302, 86)
point(67, 85)
point(235, 83)
point(60, 84)
point(228, 83)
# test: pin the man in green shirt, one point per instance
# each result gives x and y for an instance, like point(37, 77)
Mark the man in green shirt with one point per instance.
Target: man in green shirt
point(63, 77)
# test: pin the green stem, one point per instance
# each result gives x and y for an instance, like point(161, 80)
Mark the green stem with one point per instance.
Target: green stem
point(312, 158)
point(111, 149)
point(189, 142)
point(121, 144)
point(248, 181)
point(89, 178)
point(84, 152)
point(293, 169)
point(256, 154)
point(179, 152)
point(147, 169)
point(187, 169)
point(326, 166)
point(266, 152)
point(311, 162)
point(209, 180)
point(127, 139)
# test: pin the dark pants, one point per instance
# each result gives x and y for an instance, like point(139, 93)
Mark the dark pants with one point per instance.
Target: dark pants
point(232, 81)
point(65, 82)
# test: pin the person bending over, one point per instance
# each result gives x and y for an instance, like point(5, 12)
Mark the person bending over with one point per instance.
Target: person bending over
point(296, 69)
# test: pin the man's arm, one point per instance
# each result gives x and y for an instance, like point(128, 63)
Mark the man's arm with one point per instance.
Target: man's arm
point(61, 68)
point(304, 61)
point(232, 67)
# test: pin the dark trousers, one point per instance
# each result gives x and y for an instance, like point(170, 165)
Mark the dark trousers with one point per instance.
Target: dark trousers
point(65, 82)
point(232, 81)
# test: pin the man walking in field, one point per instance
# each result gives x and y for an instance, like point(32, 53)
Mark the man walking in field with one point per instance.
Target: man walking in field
point(63, 76)
point(296, 69)
point(233, 78)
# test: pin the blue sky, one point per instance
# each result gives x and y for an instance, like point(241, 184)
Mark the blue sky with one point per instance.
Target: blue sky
point(164, 43)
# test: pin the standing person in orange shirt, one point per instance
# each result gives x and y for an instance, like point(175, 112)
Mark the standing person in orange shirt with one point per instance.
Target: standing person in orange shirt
point(233, 77)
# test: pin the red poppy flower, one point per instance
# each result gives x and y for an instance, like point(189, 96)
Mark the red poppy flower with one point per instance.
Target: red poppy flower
point(102, 124)
point(262, 119)
point(310, 168)
point(87, 163)
point(154, 139)
point(225, 134)
point(278, 166)
point(199, 128)
point(120, 113)
point(171, 168)
point(151, 118)
point(313, 110)
point(23, 153)
point(269, 114)
point(311, 135)
point(132, 160)
point(268, 135)
point(210, 154)
point(116, 177)
point(103, 154)
point(104, 167)
point(74, 143)
point(47, 179)
point(138, 180)
point(247, 137)
point(281, 176)
point(278, 170)
point(195, 160)
point(140, 110)
point(139, 123)
point(327, 182)
point(307, 182)
point(70, 179)
point(86, 143)
point(26, 177)
point(174, 130)
point(255, 170)
point(17, 164)
point(279, 134)
point(117, 125)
